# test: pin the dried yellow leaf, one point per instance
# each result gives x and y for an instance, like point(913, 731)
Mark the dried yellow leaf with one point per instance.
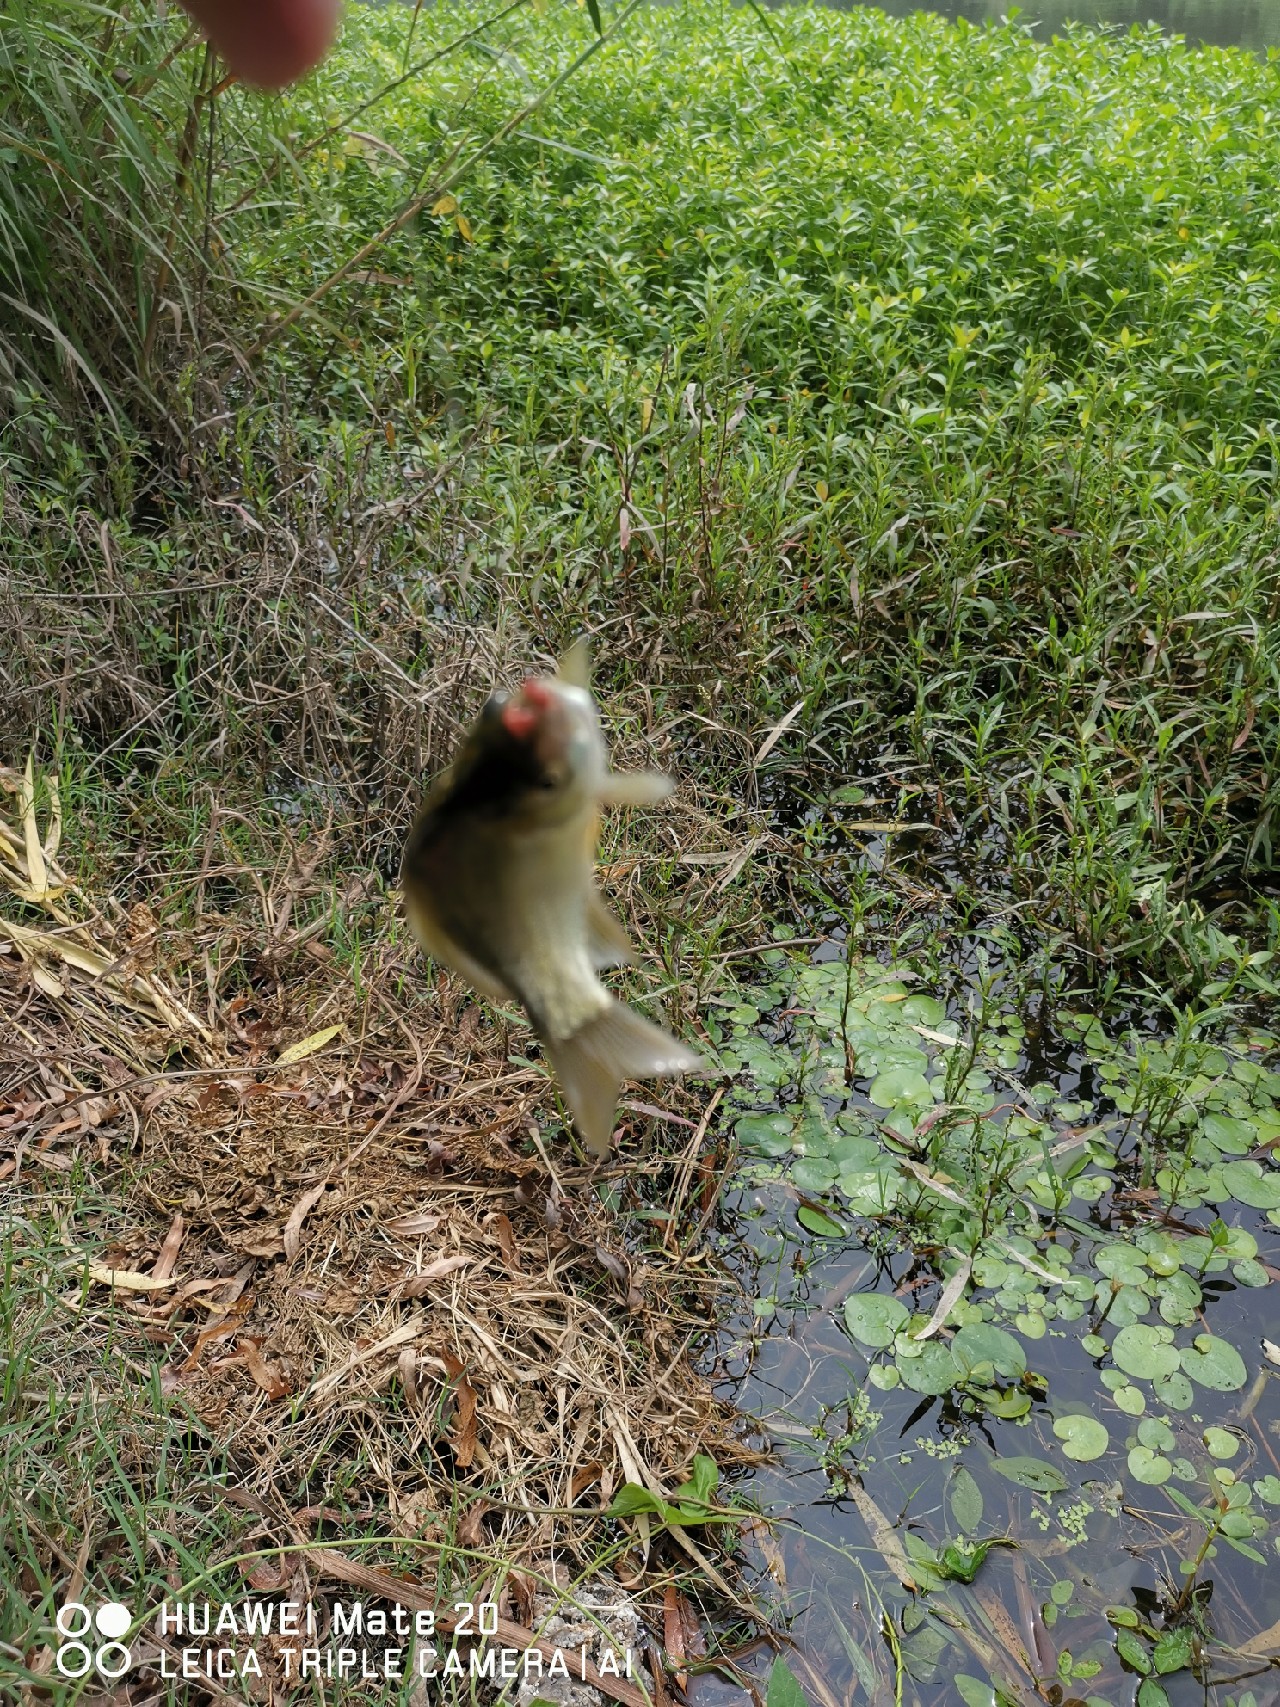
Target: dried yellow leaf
point(37, 876)
point(464, 226)
point(126, 1279)
point(308, 1046)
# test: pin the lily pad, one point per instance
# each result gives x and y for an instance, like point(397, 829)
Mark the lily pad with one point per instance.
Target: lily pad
point(1175, 1391)
point(1083, 1438)
point(764, 1134)
point(923, 1010)
point(1221, 1443)
point(1232, 1137)
point(932, 1372)
point(982, 1344)
point(1156, 1433)
point(1145, 1351)
point(1214, 1363)
point(815, 1220)
point(813, 1174)
point(1149, 1467)
point(1250, 1183)
point(901, 1085)
point(873, 1318)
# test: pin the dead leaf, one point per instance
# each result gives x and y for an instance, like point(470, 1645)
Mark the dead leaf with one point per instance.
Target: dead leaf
point(167, 1260)
point(583, 1477)
point(271, 1381)
point(681, 1633)
point(308, 1046)
point(470, 1530)
point(462, 1429)
point(423, 1279)
point(37, 872)
point(613, 1265)
point(507, 1240)
point(419, 1222)
point(951, 1295)
point(297, 1215)
point(219, 1330)
point(126, 1279)
point(775, 734)
point(883, 1534)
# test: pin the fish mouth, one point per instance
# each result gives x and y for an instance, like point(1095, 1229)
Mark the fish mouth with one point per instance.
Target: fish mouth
point(527, 710)
point(538, 718)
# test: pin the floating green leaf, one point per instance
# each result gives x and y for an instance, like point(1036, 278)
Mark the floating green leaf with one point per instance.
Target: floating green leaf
point(1083, 1438)
point(901, 1085)
point(1249, 1182)
point(1214, 1363)
point(873, 1318)
point(982, 1345)
point(965, 1497)
point(1145, 1351)
point(1034, 1473)
point(1221, 1443)
point(764, 1134)
point(1151, 1468)
point(816, 1220)
point(931, 1371)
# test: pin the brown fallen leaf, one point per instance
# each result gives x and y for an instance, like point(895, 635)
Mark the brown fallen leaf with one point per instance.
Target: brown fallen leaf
point(167, 1261)
point(221, 1329)
point(414, 1285)
point(271, 1381)
point(883, 1534)
point(470, 1530)
point(462, 1429)
point(582, 1479)
point(681, 1633)
point(418, 1222)
point(507, 1241)
point(297, 1215)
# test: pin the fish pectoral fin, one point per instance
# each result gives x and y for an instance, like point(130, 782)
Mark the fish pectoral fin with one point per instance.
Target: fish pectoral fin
point(607, 942)
point(635, 788)
point(617, 1044)
point(440, 946)
point(574, 666)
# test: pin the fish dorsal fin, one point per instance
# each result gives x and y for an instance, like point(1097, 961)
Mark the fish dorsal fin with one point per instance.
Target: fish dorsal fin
point(574, 666)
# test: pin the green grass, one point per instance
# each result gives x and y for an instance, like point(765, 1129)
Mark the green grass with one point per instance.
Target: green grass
point(937, 369)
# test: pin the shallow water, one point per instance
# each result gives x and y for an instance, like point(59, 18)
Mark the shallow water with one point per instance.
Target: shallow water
point(1254, 24)
point(1102, 1541)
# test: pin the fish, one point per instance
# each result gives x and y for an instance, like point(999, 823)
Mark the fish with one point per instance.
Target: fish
point(498, 879)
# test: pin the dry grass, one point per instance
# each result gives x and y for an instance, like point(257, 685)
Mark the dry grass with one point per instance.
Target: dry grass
point(328, 1228)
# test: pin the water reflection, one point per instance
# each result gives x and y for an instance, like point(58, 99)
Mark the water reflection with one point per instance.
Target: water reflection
point(1254, 24)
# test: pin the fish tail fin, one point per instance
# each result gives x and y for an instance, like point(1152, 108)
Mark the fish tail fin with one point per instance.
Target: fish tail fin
point(617, 1044)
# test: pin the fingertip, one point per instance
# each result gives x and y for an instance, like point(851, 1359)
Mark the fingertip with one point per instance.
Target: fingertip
point(268, 42)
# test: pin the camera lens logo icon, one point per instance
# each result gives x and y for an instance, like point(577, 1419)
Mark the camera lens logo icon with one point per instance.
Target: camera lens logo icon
point(78, 1627)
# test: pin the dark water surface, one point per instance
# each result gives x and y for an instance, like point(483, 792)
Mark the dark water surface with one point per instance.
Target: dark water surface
point(1254, 24)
